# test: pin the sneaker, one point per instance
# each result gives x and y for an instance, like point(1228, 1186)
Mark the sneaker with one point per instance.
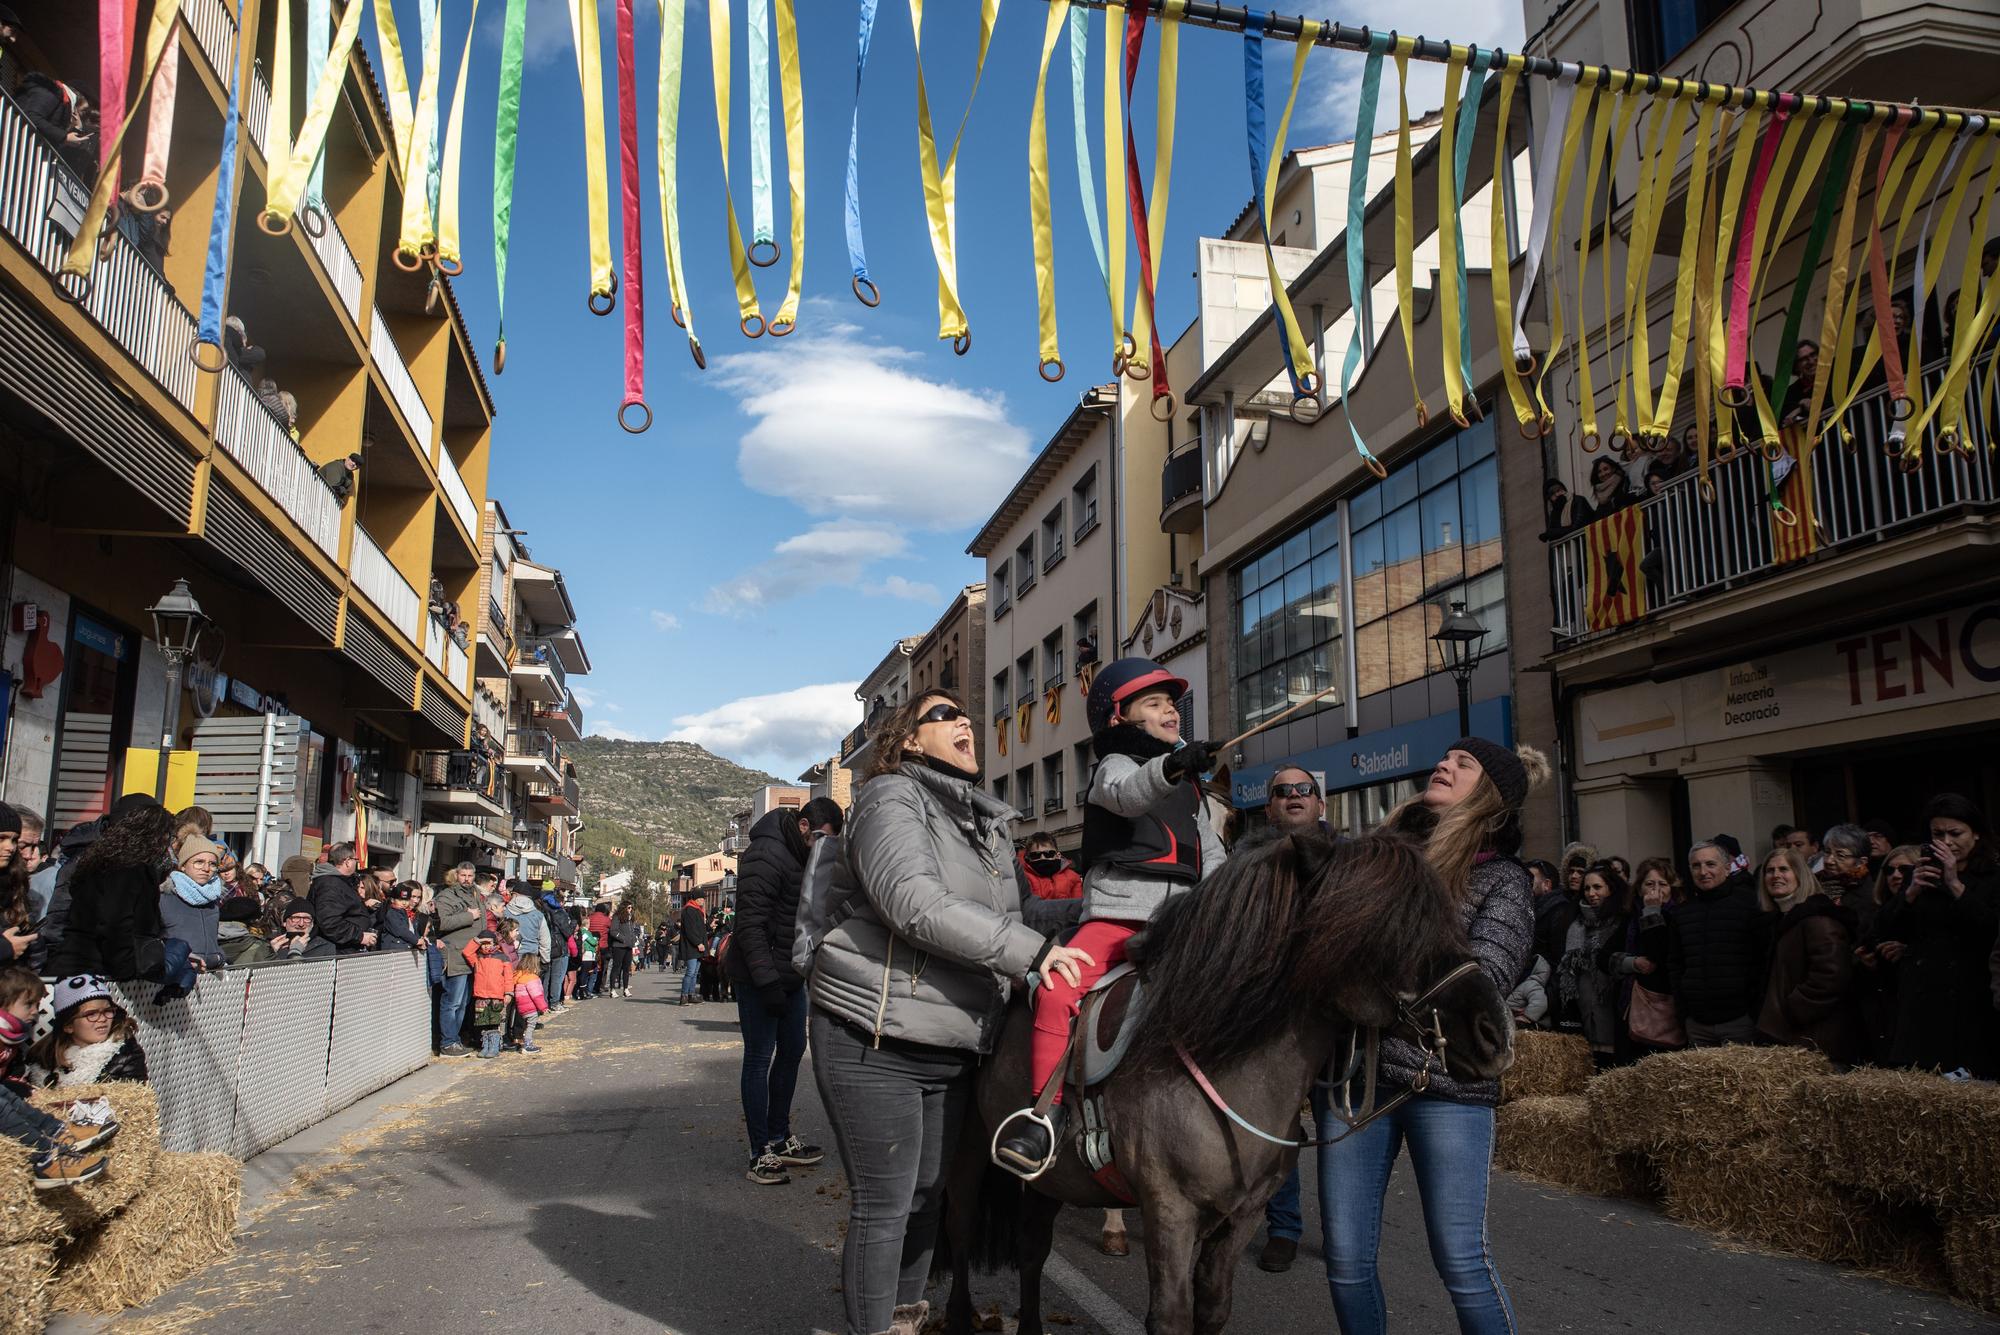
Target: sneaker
point(533, 1050)
point(792, 1150)
point(66, 1168)
point(454, 1050)
point(768, 1170)
point(76, 1139)
point(1278, 1255)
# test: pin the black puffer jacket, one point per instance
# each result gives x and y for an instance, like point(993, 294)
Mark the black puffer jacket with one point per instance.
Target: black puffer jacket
point(1944, 985)
point(767, 907)
point(339, 913)
point(114, 926)
point(1718, 952)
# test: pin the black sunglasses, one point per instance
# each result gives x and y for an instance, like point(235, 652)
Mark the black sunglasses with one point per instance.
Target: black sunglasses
point(1295, 790)
point(942, 713)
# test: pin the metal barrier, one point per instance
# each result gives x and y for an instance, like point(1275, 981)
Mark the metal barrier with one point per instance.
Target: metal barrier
point(255, 1055)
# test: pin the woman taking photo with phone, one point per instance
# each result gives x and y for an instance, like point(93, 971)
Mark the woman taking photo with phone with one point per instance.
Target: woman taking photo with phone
point(1943, 923)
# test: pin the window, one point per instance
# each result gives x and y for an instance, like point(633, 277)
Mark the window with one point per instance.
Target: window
point(1052, 537)
point(1024, 567)
point(1052, 782)
point(1083, 634)
point(1024, 789)
point(1662, 29)
point(1024, 677)
point(1288, 630)
point(1080, 763)
point(1083, 502)
point(1000, 787)
point(1052, 659)
point(1002, 598)
point(1001, 708)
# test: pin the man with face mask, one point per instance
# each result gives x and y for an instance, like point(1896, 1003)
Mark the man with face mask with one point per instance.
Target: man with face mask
point(1051, 889)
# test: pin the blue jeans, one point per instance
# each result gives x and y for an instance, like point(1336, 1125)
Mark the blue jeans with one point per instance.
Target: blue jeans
point(451, 1008)
point(772, 1048)
point(691, 978)
point(1451, 1150)
point(553, 974)
point(23, 1121)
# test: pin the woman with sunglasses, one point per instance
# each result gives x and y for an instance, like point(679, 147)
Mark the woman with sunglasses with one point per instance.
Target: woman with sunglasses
point(908, 989)
point(93, 1039)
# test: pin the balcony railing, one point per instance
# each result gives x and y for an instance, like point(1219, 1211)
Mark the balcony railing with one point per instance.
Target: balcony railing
point(461, 771)
point(1050, 804)
point(1695, 547)
point(1180, 478)
point(41, 202)
point(541, 653)
point(215, 31)
point(534, 744)
point(435, 639)
point(257, 109)
point(396, 375)
point(457, 666)
point(330, 246)
point(552, 794)
point(381, 584)
point(455, 492)
point(1025, 580)
point(496, 619)
point(565, 715)
point(252, 437)
point(853, 741)
point(1054, 554)
point(1002, 603)
point(1086, 521)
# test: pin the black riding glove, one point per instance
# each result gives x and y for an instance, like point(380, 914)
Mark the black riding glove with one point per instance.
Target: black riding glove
point(1191, 761)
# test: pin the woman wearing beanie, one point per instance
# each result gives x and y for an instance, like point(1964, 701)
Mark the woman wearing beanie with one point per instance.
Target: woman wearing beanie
point(1468, 817)
point(190, 901)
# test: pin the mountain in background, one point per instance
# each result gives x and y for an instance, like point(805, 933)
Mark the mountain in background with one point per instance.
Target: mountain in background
point(650, 798)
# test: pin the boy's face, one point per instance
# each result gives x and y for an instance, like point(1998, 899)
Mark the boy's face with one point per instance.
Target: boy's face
point(1154, 712)
point(24, 1008)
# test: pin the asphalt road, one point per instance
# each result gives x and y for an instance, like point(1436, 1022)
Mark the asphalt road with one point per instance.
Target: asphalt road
point(599, 1188)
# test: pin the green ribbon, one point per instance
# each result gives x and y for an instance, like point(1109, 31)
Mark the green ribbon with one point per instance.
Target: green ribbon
point(506, 132)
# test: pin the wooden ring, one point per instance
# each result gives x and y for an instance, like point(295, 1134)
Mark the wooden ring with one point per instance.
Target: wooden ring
point(273, 223)
point(500, 356)
point(1158, 399)
point(700, 358)
point(450, 268)
point(143, 202)
point(409, 261)
point(312, 220)
point(609, 300)
point(771, 246)
point(1055, 362)
point(866, 292)
point(645, 423)
point(747, 321)
point(1375, 466)
point(962, 344)
point(194, 355)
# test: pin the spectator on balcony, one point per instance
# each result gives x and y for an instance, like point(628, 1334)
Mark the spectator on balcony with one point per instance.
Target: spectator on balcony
point(459, 919)
point(189, 898)
point(339, 912)
point(1561, 512)
point(1798, 396)
point(436, 600)
point(299, 940)
point(339, 476)
point(151, 234)
point(114, 925)
point(10, 37)
point(60, 113)
point(1677, 454)
point(92, 1039)
point(1610, 491)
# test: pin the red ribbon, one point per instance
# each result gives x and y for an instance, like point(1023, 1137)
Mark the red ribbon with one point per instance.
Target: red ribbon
point(1878, 268)
point(1746, 237)
point(1135, 195)
point(114, 59)
point(634, 283)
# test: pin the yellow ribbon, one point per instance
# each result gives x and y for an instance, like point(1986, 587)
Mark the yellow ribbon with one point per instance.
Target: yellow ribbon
point(1496, 230)
point(1038, 200)
point(454, 143)
point(83, 250)
point(1307, 384)
point(1761, 244)
point(1581, 111)
point(1450, 299)
point(1837, 324)
point(795, 160)
point(749, 315)
point(1934, 161)
point(419, 230)
point(1166, 100)
point(1708, 275)
point(1662, 419)
point(1934, 265)
point(1609, 128)
point(584, 33)
point(673, 41)
point(290, 169)
point(1968, 329)
point(1406, 222)
point(1635, 369)
point(941, 184)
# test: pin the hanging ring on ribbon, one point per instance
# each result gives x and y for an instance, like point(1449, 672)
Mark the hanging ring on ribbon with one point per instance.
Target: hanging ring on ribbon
point(500, 356)
point(867, 293)
point(1526, 363)
point(1376, 466)
point(79, 294)
point(1901, 409)
point(427, 251)
point(1772, 450)
point(1725, 450)
point(1137, 368)
point(771, 246)
point(609, 302)
point(675, 312)
point(1540, 428)
point(1784, 515)
point(779, 326)
point(450, 268)
point(1707, 491)
point(273, 223)
point(1306, 408)
point(1167, 399)
point(1590, 442)
point(752, 326)
point(312, 220)
point(1948, 439)
point(201, 363)
point(645, 423)
point(1734, 396)
point(1118, 362)
point(700, 357)
point(409, 261)
point(962, 344)
point(1057, 364)
point(142, 199)
point(1910, 462)
point(1423, 417)
point(1617, 441)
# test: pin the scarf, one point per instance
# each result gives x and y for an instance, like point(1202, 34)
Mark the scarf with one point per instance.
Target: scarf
point(13, 1031)
point(190, 891)
point(1129, 739)
point(87, 1063)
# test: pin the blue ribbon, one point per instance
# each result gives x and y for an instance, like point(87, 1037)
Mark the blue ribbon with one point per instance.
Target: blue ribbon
point(857, 253)
point(1254, 21)
point(1468, 123)
point(761, 227)
point(1086, 181)
point(319, 41)
point(209, 329)
point(428, 17)
point(1357, 210)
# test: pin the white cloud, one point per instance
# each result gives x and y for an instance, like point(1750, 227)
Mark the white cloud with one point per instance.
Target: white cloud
point(1332, 85)
point(830, 555)
point(584, 696)
point(782, 733)
point(614, 733)
point(847, 427)
point(895, 586)
point(665, 620)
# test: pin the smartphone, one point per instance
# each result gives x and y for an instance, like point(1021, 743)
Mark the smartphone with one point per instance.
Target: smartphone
point(1931, 859)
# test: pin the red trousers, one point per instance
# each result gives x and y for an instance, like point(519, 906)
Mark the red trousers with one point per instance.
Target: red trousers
point(1056, 1004)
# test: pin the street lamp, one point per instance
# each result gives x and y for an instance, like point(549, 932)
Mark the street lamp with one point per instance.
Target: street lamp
point(1458, 639)
point(178, 623)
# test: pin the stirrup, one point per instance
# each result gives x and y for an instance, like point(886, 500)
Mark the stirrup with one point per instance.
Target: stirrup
point(1026, 1172)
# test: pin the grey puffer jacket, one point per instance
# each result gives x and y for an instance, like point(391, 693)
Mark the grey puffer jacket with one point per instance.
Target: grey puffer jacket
point(1500, 923)
point(929, 930)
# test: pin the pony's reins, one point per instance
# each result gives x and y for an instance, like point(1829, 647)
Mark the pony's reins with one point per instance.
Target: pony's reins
point(1430, 1038)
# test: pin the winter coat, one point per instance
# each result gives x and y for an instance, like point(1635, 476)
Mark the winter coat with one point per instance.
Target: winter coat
point(52, 885)
point(534, 927)
point(42, 100)
point(1066, 883)
point(625, 935)
point(694, 932)
point(1554, 912)
point(1944, 997)
point(1499, 919)
point(114, 926)
point(1050, 904)
point(1128, 787)
point(1588, 976)
point(1809, 999)
point(396, 929)
point(113, 1059)
point(767, 909)
point(313, 948)
point(195, 924)
point(1717, 951)
point(492, 975)
point(339, 913)
point(929, 931)
point(1531, 999)
point(459, 919)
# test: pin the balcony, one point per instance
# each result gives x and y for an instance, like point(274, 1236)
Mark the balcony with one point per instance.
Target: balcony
point(563, 720)
point(466, 783)
point(1180, 492)
point(853, 742)
point(1024, 581)
point(337, 259)
point(251, 436)
point(455, 492)
point(1087, 520)
point(1055, 553)
point(1697, 550)
point(257, 109)
point(402, 388)
point(377, 580)
point(1051, 805)
point(496, 641)
point(1003, 603)
point(41, 204)
point(554, 799)
point(538, 673)
point(535, 753)
point(457, 665)
point(214, 31)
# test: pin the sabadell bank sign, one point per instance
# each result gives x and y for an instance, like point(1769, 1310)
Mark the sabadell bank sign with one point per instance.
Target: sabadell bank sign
point(1925, 660)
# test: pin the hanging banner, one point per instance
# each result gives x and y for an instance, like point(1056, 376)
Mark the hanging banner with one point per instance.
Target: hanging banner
point(865, 290)
point(290, 164)
point(941, 181)
point(506, 142)
point(628, 179)
point(673, 40)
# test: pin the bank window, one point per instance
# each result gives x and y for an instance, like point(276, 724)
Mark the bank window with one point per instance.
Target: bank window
point(1287, 627)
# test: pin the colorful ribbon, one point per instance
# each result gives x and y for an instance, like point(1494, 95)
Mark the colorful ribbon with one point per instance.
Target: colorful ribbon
point(1553, 159)
point(1497, 264)
point(416, 234)
point(83, 247)
point(1581, 113)
point(941, 183)
point(1451, 244)
point(448, 207)
point(1122, 344)
point(673, 41)
point(1840, 317)
point(749, 315)
point(1738, 320)
point(1686, 269)
point(319, 43)
point(584, 34)
point(865, 290)
point(1050, 349)
point(506, 138)
point(1925, 268)
point(1879, 286)
point(1406, 224)
point(215, 269)
point(1357, 217)
point(430, 29)
point(1264, 182)
point(1079, 51)
point(1150, 223)
point(1608, 128)
point(290, 165)
point(628, 180)
point(1712, 353)
point(761, 226)
point(419, 226)
point(1969, 328)
point(1832, 187)
point(795, 163)
point(114, 58)
point(1634, 397)
point(149, 192)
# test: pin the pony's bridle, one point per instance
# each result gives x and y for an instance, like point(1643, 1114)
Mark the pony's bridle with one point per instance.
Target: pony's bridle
point(1418, 1015)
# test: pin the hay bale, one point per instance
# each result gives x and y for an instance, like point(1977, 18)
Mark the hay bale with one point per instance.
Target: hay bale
point(1703, 1098)
point(27, 1216)
point(1972, 1254)
point(1546, 1065)
point(130, 1161)
point(1550, 1139)
point(1906, 1136)
point(182, 1224)
point(1767, 1192)
point(25, 1268)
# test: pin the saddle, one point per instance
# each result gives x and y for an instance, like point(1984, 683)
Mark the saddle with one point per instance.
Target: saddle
point(1100, 1035)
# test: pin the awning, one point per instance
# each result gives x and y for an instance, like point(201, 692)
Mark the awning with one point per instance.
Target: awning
point(461, 832)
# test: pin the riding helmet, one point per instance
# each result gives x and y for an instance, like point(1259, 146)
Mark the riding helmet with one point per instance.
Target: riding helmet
point(1120, 681)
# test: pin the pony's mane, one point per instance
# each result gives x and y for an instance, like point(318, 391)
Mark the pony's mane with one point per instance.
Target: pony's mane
point(1286, 923)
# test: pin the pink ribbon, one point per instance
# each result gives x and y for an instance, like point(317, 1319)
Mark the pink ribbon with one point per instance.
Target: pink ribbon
point(114, 59)
point(1744, 279)
point(628, 166)
point(150, 194)
point(1878, 268)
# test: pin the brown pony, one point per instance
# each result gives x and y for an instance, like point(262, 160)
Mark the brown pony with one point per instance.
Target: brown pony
point(1257, 975)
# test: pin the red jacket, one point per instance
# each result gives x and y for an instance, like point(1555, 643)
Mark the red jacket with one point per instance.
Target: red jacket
point(492, 975)
point(1065, 884)
point(600, 926)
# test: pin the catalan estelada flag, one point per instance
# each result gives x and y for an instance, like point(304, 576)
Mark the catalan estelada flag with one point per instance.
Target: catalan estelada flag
point(1795, 538)
point(1025, 716)
point(1615, 590)
point(1085, 674)
point(1000, 733)
point(1052, 705)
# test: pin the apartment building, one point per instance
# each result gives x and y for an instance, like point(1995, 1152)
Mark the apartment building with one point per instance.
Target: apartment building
point(829, 779)
point(884, 688)
point(1846, 671)
point(952, 655)
point(323, 670)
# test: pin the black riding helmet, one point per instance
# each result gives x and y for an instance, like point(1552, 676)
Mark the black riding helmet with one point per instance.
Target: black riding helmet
point(1120, 681)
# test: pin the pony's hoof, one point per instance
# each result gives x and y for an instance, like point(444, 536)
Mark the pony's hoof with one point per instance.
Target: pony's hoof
point(1113, 1244)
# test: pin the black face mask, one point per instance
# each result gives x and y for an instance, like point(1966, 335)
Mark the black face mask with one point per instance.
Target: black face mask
point(1048, 864)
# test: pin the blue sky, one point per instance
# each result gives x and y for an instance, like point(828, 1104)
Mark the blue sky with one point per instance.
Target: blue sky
point(805, 501)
